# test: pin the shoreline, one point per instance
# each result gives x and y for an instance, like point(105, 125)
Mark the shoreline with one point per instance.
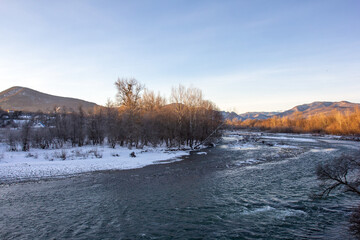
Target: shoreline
point(39, 164)
point(49, 164)
point(344, 137)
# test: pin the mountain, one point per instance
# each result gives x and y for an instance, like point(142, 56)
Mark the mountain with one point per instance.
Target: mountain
point(315, 108)
point(230, 115)
point(248, 115)
point(306, 110)
point(258, 115)
point(29, 100)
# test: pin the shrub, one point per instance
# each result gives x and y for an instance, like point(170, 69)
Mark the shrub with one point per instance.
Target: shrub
point(96, 153)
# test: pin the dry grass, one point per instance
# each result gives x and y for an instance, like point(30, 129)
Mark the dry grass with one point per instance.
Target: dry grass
point(334, 123)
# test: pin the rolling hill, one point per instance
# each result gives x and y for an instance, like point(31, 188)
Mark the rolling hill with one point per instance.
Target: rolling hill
point(315, 108)
point(29, 100)
point(248, 115)
point(306, 110)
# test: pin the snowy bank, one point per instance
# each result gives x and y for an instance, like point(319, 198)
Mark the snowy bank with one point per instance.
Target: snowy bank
point(40, 164)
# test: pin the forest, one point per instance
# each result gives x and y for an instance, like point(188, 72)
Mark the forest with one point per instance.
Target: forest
point(138, 117)
point(337, 122)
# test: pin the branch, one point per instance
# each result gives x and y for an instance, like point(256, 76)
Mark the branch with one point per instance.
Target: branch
point(338, 171)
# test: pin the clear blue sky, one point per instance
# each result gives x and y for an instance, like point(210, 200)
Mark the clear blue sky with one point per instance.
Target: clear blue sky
point(245, 55)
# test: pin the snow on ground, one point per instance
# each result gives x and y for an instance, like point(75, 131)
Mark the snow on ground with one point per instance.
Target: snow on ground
point(297, 139)
point(285, 146)
point(38, 163)
point(201, 153)
point(241, 146)
point(323, 150)
point(246, 161)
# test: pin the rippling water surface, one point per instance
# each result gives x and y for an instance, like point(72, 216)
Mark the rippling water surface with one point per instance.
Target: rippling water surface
point(235, 191)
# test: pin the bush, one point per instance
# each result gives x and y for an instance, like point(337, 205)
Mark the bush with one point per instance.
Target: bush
point(336, 122)
point(12, 140)
point(62, 155)
point(29, 155)
point(96, 153)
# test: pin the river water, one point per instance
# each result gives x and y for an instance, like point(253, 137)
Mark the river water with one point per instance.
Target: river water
point(237, 190)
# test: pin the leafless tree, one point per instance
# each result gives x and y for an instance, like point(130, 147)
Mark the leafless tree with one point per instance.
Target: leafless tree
point(41, 138)
point(343, 172)
point(61, 124)
point(129, 98)
point(112, 124)
point(138, 118)
point(77, 126)
point(129, 92)
point(96, 126)
point(25, 135)
point(196, 118)
point(12, 139)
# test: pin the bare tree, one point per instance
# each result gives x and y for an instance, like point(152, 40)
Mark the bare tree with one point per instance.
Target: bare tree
point(12, 139)
point(112, 124)
point(61, 124)
point(129, 92)
point(196, 118)
point(151, 102)
point(96, 126)
point(77, 127)
point(343, 172)
point(25, 135)
point(129, 99)
point(177, 97)
point(41, 138)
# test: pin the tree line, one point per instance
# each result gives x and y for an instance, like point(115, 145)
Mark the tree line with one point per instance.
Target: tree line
point(340, 123)
point(138, 117)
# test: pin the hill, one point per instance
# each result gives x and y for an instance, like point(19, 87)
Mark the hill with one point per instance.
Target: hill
point(29, 100)
point(306, 110)
point(258, 115)
point(248, 115)
point(316, 108)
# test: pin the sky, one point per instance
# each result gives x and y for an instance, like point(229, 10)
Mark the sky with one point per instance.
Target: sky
point(254, 55)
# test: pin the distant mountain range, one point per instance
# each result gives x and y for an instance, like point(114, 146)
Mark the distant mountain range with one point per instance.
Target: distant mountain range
point(306, 110)
point(320, 108)
point(29, 100)
point(248, 115)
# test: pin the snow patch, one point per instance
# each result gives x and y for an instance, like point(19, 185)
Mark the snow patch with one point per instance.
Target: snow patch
point(201, 153)
point(297, 139)
point(38, 163)
point(246, 161)
point(286, 146)
point(323, 150)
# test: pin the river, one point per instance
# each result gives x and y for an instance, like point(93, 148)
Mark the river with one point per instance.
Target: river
point(236, 190)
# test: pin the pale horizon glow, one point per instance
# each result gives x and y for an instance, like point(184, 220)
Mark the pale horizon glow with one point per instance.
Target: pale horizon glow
point(245, 56)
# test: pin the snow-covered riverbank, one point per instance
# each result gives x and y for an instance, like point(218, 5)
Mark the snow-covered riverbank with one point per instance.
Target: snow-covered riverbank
point(41, 164)
point(54, 163)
